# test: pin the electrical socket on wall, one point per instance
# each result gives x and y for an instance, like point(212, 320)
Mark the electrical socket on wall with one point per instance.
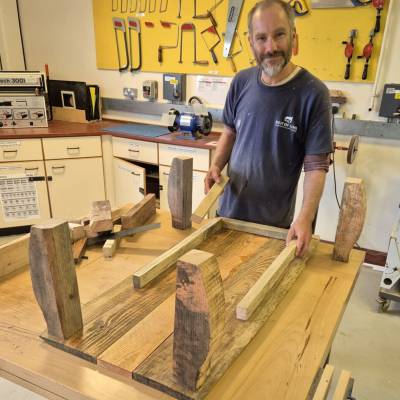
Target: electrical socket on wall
point(130, 93)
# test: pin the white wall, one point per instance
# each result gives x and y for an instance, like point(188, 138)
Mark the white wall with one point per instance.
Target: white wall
point(10, 42)
point(60, 33)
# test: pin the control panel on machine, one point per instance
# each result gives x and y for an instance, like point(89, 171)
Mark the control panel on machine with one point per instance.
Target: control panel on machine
point(22, 100)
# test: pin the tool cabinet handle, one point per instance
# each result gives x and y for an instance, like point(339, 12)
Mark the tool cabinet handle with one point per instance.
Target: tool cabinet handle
point(58, 167)
point(32, 169)
point(10, 151)
point(134, 173)
point(165, 173)
point(69, 149)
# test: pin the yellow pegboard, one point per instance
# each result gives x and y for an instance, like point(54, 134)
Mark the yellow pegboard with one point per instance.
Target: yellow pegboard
point(321, 33)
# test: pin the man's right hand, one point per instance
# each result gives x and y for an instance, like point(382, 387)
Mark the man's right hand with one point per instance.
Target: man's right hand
point(213, 175)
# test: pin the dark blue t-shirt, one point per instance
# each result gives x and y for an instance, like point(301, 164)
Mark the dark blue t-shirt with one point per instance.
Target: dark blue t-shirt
point(276, 126)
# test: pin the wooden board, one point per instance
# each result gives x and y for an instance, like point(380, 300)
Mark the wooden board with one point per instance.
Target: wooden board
point(279, 363)
point(14, 255)
point(139, 213)
point(180, 182)
point(156, 371)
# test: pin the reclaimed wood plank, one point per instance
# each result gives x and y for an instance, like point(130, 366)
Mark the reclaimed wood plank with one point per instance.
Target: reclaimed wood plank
point(180, 182)
point(344, 386)
point(54, 278)
point(156, 370)
point(231, 249)
point(199, 317)
point(351, 218)
point(139, 213)
point(256, 229)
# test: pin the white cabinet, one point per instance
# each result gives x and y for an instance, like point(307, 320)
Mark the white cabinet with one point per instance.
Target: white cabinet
point(74, 168)
point(73, 185)
point(129, 182)
point(23, 194)
point(201, 157)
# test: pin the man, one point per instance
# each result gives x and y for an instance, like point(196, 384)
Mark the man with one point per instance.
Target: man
point(276, 117)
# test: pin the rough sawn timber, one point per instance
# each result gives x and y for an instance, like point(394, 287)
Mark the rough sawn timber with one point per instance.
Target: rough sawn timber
point(157, 371)
point(180, 182)
point(351, 218)
point(54, 278)
point(199, 317)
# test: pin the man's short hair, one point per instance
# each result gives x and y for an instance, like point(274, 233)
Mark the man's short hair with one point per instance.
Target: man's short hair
point(263, 4)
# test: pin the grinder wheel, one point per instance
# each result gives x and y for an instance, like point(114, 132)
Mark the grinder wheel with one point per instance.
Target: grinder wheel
point(353, 149)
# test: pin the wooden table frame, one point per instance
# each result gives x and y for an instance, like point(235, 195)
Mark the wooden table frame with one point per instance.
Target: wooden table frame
point(282, 361)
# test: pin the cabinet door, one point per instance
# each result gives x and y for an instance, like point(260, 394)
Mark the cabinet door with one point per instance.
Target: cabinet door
point(74, 185)
point(197, 190)
point(23, 202)
point(129, 181)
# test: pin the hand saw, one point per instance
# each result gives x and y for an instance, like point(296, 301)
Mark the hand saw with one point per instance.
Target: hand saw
point(127, 232)
point(338, 3)
point(234, 8)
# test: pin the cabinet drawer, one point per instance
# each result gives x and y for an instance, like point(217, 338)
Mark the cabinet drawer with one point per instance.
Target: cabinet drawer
point(72, 147)
point(201, 157)
point(20, 150)
point(135, 150)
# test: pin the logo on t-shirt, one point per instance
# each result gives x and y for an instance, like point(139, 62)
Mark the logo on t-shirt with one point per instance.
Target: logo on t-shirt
point(287, 123)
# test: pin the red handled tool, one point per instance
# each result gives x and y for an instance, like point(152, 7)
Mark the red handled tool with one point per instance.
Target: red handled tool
point(214, 32)
point(189, 27)
point(367, 52)
point(168, 25)
point(348, 51)
point(378, 4)
point(119, 25)
point(134, 25)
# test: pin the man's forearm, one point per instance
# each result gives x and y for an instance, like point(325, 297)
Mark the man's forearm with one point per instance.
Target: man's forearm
point(224, 148)
point(313, 187)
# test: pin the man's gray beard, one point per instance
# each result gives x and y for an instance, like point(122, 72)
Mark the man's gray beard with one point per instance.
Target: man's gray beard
point(274, 70)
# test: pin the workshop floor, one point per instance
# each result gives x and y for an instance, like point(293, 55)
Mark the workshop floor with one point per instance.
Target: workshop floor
point(367, 344)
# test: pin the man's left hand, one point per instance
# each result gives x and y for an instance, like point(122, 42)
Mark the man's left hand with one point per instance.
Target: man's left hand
point(300, 230)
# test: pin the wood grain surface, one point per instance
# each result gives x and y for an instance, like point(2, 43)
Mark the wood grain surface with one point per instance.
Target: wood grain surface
point(280, 362)
point(139, 213)
point(199, 317)
point(180, 182)
point(54, 278)
point(351, 218)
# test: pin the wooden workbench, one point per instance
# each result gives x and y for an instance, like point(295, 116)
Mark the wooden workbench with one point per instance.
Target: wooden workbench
point(280, 363)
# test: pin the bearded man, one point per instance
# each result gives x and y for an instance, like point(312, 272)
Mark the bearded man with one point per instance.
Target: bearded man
point(277, 118)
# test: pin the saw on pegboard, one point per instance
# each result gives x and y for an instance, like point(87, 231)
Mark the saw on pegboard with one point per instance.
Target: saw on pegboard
point(188, 36)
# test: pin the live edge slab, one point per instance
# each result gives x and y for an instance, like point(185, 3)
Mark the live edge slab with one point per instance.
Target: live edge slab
point(281, 361)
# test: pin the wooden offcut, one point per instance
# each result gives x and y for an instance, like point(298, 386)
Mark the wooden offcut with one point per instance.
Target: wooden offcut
point(111, 245)
point(78, 249)
point(54, 279)
point(139, 213)
point(14, 255)
point(324, 383)
point(266, 282)
point(180, 181)
point(351, 218)
point(344, 386)
point(77, 231)
point(209, 200)
point(100, 216)
point(199, 317)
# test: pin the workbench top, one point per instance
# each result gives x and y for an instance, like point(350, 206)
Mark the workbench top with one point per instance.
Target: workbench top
point(281, 362)
point(63, 129)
